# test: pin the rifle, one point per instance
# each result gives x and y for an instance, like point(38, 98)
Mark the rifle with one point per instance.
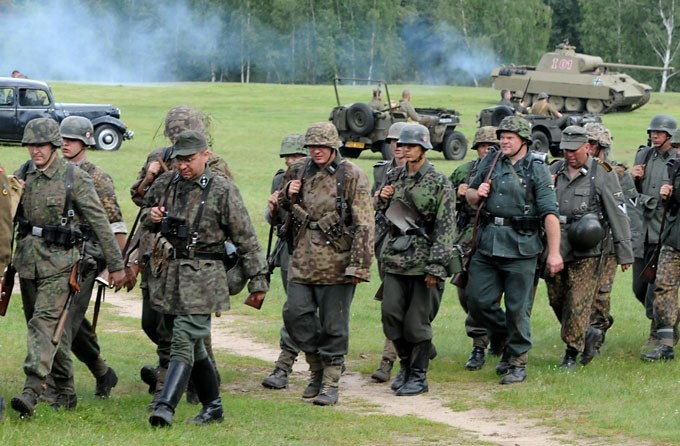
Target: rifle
point(6, 288)
point(526, 90)
point(103, 283)
point(74, 286)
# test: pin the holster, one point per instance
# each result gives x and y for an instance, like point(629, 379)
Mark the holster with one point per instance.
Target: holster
point(161, 253)
point(336, 232)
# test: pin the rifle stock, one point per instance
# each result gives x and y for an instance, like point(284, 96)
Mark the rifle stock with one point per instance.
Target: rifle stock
point(6, 288)
point(74, 290)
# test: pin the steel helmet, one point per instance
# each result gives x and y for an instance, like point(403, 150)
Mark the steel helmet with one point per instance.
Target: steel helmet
point(184, 117)
point(663, 123)
point(675, 140)
point(585, 233)
point(415, 134)
point(293, 144)
point(597, 132)
point(324, 134)
point(485, 135)
point(395, 130)
point(515, 124)
point(77, 127)
point(41, 131)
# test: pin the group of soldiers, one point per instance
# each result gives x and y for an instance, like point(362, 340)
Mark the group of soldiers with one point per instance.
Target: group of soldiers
point(508, 216)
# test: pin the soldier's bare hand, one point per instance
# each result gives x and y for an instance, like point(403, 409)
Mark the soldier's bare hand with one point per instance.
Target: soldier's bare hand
point(357, 280)
point(483, 190)
point(117, 279)
point(156, 213)
point(625, 266)
point(294, 188)
point(130, 278)
point(386, 192)
point(666, 191)
point(154, 168)
point(272, 202)
point(462, 189)
point(638, 171)
point(554, 264)
point(431, 280)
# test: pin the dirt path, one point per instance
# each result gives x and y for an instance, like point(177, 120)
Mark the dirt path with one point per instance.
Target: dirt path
point(491, 426)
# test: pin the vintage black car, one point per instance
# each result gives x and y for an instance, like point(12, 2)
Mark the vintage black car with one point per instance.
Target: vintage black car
point(22, 100)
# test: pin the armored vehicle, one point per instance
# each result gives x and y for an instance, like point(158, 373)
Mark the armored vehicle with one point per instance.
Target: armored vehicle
point(576, 82)
point(363, 128)
point(546, 131)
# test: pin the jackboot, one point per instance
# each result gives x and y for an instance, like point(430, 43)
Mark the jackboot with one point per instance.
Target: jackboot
point(278, 379)
point(175, 383)
point(569, 360)
point(417, 378)
point(476, 359)
point(204, 376)
point(328, 395)
point(316, 369)
point(162, 372)
point(594, 338)
point(404, 351)
point(66, 396)
point(384, 371)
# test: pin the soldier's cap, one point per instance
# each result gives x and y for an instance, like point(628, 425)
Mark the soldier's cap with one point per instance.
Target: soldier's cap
point(573, 137)
point(543, 95)
point(188, 142)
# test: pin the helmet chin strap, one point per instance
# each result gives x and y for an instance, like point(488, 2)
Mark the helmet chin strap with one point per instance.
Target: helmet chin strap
point(75, 154)
point(524, 143)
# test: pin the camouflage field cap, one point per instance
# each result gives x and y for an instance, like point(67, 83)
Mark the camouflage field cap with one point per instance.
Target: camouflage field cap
point(395, 130)
point(415, 134)
point(293, 144)
point(41, 131)
point(323, 134)
point(183, 117)
point(663, 123)
point(573, 137)
point(598, 133)
point(515, 124)
point(188, 142)
point(77, 127)
point(485, 135)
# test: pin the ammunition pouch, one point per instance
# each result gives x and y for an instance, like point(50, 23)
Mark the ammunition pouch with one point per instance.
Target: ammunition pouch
point(174, 227)
point(382, 228)
point(162, 252)
point(402, 243)
point(52, 234)
point(298, 223)
point(455, 264)
point(336, 232)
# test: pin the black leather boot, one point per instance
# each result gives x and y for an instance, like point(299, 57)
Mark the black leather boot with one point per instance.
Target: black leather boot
point(417, 378)
point(476, 359)
point(173, 388)
point(205, 380)
point(404, 351)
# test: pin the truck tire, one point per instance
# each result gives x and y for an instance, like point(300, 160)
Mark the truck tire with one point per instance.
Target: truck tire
point(540, 143)
point(455, 146)
point(350, 152)
point(360, 118)
point(386, 151)
point(107, 137)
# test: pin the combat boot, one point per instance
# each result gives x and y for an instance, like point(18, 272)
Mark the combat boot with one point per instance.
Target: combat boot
point(25, 403)
point(173, 388)
point(384, 371)
point(160, 380)
point(149, 375)
point(417, 377)
point(204, 375)
point(593, 340)
point(660, 353)
point(404, 351)
point(278, 379)
point(49, 394)
point(514, 375)
point(192, 397)
point(328, 396)
point(106, 383)
point(316, 369)
point(476, 359)
point(504, 363)
point(569, 360)
point(65, 401)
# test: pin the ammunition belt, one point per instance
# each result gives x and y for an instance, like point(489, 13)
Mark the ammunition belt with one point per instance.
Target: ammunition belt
point(52, 234)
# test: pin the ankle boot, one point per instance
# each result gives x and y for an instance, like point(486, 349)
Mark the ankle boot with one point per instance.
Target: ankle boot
point(175, 383)
point(383, 372)
point(278, 378)
point(204, 376)
point(417, 378)
point(328, 395)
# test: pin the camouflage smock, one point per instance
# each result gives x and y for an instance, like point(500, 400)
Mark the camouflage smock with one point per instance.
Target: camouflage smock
point(314, 260)
point(430, 194)
point(671, 232)
point(43, 204)
point(196, 286)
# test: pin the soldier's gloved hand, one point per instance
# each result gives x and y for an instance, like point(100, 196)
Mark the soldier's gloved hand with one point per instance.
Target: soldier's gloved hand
point(117, 279)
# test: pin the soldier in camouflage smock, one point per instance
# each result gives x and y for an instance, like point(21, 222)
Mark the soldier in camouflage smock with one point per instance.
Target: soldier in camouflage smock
point(591, 204)
point(668, 270)
point(331, 235)
point(485, 139)
point(47, 249)
point(600, 141)
point(292, 150)
point(520, 202)
point(649, 173)
point(415, 259)
point(10, 194)
point(192, 212)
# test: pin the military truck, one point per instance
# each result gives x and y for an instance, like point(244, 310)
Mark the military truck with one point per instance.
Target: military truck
point(22, 100)
point(546, 131)
point(576, 82)
point(362, 128)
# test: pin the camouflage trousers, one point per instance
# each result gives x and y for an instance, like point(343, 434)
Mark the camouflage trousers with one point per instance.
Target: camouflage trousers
point(601, 309)
point(43, 301)
point(570, 293)
point(666, 291)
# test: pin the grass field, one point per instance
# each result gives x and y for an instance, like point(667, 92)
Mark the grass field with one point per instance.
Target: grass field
point(616, 396)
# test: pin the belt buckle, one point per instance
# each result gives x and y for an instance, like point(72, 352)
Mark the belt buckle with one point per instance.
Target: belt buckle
point(498, 221)
point(36, 231)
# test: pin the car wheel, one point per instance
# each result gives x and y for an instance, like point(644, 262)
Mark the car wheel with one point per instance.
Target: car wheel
point(386, 151)
point(455, 146)
point(541, 143)
point(350, 152)
point(360, 118)
point(107, 137)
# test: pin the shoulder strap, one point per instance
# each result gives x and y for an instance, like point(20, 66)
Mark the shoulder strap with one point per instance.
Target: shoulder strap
point(340, 203)
point(593, 174)
point(199, 212)
point(68, 213)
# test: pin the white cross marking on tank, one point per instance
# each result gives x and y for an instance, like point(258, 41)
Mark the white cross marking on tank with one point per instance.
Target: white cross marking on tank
point(597, 81)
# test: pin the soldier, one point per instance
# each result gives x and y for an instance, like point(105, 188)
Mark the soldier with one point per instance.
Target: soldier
point(648, 173)
point(485, 139)
point(586, 218)
point(192, 212)
point(600, 142)
point(506, 98)
point(331, 236)
point(58, 198)
point(415, 259)
point(668, 273)
point(292, 150)
point(384, 172)
point(543, 107)
point(376, 102)
point(411, 113)
point(178, 119)
point(519, 202)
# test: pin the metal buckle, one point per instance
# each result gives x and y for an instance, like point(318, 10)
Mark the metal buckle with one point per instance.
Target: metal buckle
point(498, 221)
point(563, 219)
point(36, 231)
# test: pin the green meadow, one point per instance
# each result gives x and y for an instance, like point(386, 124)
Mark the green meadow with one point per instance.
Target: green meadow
point(616, 398)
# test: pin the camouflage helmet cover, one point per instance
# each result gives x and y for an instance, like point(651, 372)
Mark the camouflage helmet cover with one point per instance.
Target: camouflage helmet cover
point(293, 144)
point(395, 130)
point(599, 133)
point(663, 123)
point(41, 131)
point(183, 117)
point(515, 124)
point(485, 135)
point(415, 134)
point(77, 127)
point(323, 134)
